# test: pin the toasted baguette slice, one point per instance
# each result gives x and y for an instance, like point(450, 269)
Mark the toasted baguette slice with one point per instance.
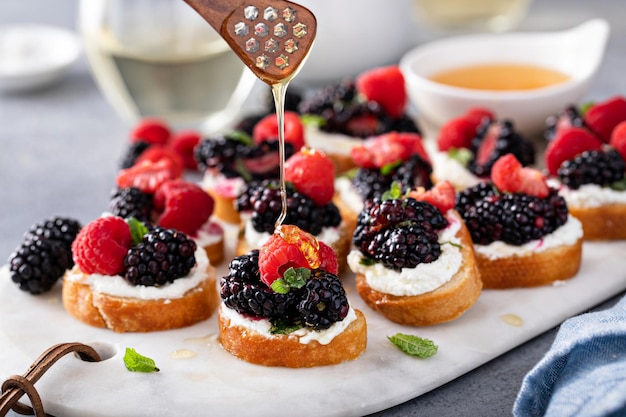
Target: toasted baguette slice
point(342, 163)
point(341, 246)
point(124, 314)
point(445, 303)
point(287, 351)
point(606, 222)
point(224, 207)
point(535, 269)
point(215, 251)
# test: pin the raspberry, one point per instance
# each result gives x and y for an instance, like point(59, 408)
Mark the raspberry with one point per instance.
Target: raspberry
point(267, 128)
point(567, 143)
point(184, 143)
point(389, 148)
point(154, 131)
point(277, 255)
point(312, 174)
point(147, 175)
point(328, 259)
point(618, 139)
point(384, 85)
point(509, 176)
point(442, 195)
point(183, 206)
point(156, 152)
point(602, 117)
point(100, 246)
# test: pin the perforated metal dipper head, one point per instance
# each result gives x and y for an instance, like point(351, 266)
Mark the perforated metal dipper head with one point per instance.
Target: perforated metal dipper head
point(272, 37)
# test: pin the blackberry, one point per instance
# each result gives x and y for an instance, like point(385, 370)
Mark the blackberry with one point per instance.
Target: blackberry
point(38, 263)
point(220, 152)
point(247, 123)
point(60, 229)
point(322, 300)
point(253, 159)
point(507, 140)
point(371, 183)
point(162, 256)
point(403, 123)
point(467, 198)
point(513, 218)
point(133, 151)
point(131, 202)
point(331, 97)
point(360, 120)
point(263, 200)
point(44, 254)
point(293, 97)
point(592, 167)
point(570, 116)
point(399, 233)
point(243, 291)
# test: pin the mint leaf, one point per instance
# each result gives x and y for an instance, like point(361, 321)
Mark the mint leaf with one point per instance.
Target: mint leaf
point(619, 185)
point(394, 192)
point(367, 261)
point(283, 326)
point(312, 120)
point(240, 136)
point(583, 108)
point(388, 169)
point(462, 155)
point(136, 362)
point(292, 278)
point(137, 230)
point(414, 345)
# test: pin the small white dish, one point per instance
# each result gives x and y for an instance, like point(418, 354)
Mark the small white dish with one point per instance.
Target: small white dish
point(577, 52)
point(35, 56)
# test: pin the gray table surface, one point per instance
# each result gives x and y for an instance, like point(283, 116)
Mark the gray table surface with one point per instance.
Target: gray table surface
point(60, 149)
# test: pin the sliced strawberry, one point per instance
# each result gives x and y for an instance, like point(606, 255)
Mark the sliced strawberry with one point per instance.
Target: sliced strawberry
point(488, 144)
point(505, 173)
point(509, 176)
point(384, 85)
point(602, 117)
point(147, 175)
point(154, 131)
point(567, 143)
point(312, 173)
point(261, 164)
point(101, 246)
point(388, 148)
point(183, 206)
point(618, 139)
point(477, 115)
point(267, 128)
point(156, 152)
point(456, 134)
point(533, 182)
point(442, 195)
point(184, 143)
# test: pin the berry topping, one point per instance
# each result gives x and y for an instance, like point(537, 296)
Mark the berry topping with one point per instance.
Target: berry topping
point(133, 151)
point(163, 256)
point(100, 246)
point(459, 132)
point(442, 195)
point(264, 201)
point(510, 176)
point(147, 175)
point(602, 117)
point(495, 139)
point(184, 143)
point(567, 143)
point(399, 232)
point(183, 206)
point(44, 255)
point(153, 131)
point(618, 139)
point(157, 152)
point(267, 128)
point(131, 202)
point(243, 291)
point(384, 85)
point(510, 217)
point(569, 117)
point(323, 300)
point(312, 174)
point(389, 148)
point(592, 167)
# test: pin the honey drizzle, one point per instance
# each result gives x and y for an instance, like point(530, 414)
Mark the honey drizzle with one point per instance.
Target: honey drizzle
point(279, 91)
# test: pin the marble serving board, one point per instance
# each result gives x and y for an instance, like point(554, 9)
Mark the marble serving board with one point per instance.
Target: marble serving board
point(198, 378)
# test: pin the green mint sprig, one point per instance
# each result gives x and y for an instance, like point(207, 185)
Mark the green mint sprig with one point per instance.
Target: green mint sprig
point(414, 345)
point(292, 278)
point(136, 362)
point(137, 230)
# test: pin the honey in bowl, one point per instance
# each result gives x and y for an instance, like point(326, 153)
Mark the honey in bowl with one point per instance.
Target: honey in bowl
point(500, 77)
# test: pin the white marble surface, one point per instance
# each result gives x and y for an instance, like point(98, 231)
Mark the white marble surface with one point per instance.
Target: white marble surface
point(215, 380)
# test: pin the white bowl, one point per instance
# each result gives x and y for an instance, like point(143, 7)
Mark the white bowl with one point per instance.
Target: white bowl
point(576, 52)
point(34, 56)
